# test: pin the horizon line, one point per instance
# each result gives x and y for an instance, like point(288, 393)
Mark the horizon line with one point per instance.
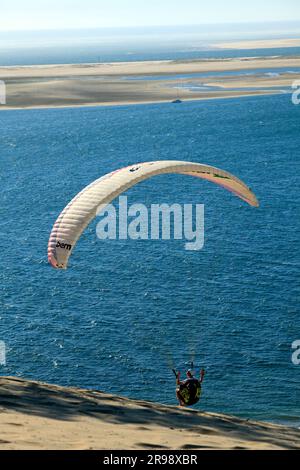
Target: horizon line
point(142, 26)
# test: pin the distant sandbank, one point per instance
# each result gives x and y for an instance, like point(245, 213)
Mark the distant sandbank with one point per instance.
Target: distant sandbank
point(167, 67)
point(261, 44)
point(132, 82)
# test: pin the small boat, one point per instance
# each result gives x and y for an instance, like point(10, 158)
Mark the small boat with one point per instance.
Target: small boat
point(177, 100)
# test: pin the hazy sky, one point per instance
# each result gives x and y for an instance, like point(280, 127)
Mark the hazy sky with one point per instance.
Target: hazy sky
point(51, 14)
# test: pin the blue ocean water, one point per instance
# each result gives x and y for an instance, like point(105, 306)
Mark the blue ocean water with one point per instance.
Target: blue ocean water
point(126, 311)
point(77, 54)
point(270, 72)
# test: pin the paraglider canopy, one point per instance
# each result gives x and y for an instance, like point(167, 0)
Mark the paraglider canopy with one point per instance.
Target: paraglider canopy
point(83, 208)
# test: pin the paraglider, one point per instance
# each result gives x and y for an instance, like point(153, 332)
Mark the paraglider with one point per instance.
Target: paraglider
point(77, 215)
point(188, 391)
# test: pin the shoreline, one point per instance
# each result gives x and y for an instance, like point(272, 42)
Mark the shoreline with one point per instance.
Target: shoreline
point(40, 416)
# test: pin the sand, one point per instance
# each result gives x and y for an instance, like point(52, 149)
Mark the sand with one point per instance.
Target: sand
point(168, 67)
point(104, 84)
point(260, 44)
point(37, 416)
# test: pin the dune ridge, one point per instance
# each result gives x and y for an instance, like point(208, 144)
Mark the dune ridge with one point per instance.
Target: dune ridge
point(39, 416)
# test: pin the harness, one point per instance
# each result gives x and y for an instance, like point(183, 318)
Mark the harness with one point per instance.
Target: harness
point(190, 391)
